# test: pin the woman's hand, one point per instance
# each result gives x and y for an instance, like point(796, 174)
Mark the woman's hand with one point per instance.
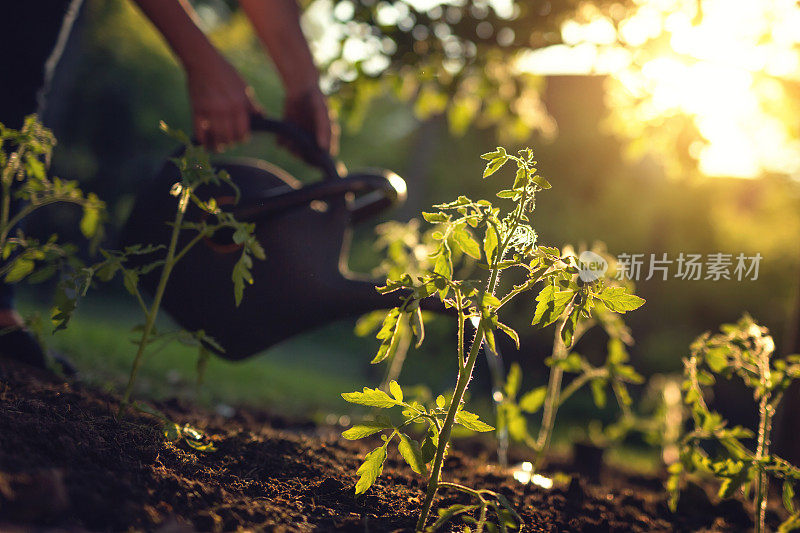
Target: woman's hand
point(309, 110)
point(221, 103)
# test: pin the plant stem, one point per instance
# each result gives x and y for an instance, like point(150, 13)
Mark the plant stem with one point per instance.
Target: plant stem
point(464, 375)
point(579, 382)
point(166, 270)
point(4, 214)
point(553, 389)
point(766, 411)
point(553, 399)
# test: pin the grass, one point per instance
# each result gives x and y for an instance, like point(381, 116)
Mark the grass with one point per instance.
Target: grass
point(302, 375)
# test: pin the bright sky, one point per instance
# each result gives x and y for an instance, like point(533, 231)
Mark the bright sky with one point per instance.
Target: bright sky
point(724, 71)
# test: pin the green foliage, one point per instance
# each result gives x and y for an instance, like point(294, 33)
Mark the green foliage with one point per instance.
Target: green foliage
point(195, 171)
point(413, 414)
point(406, 250)
point(614, 374)
point(459, 60)
point(25, 156)
point(496, 240)
point(743, 350)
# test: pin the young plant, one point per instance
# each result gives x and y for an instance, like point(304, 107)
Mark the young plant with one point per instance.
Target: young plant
point(195, 171)
point(174, 432)
point(25, 156)
point(405, 250)
point(710, 447)
point(614, 374)
point(500, 240)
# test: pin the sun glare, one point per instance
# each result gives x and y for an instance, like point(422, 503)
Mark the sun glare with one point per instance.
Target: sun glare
point(723, 65)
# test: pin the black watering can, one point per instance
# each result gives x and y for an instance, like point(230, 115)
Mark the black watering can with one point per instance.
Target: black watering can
point(304, 229)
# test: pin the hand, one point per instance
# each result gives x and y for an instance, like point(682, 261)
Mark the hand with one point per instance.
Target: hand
point(309, 110)
point(221, 103)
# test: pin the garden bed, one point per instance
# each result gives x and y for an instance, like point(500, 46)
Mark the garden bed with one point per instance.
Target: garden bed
point(66, 461)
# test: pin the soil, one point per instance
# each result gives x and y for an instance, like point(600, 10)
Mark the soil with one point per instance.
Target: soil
point(68, 464)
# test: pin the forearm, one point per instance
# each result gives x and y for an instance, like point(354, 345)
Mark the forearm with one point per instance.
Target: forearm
point(176, 20)
point(277, 24)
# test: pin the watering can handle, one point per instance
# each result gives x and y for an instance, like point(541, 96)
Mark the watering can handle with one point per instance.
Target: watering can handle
point(304, 143)
point(377, 193)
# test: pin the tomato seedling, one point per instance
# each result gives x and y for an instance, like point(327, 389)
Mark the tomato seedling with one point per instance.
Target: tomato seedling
point(710, 446)
point(498, 240)
point(25, 156)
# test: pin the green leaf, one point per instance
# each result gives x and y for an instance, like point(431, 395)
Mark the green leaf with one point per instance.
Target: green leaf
point(440, 402)
point(448, 513)
point(788, 497)
point(551, 303)
point(494, 165)
point(467, 244)
point(598, 387)
point(370, 469)
point(717, 358)
point(412, 453)
point(617, 299)
point(490, 244)
point(500, 152)
point(371, 398)
point(568, 331)
point(489, 300)
point(540, 181)
point(443, 266)
point(365, 429)
point(369, 322)
point(435, 218)
point(533, 400)
point(171, 431)
point(396, 391)
point(571, 363)
point(510, 508)
point(389, 335)
point(387, 348)
point(616, 352)
point(131, 280)
point(389, 323)
point(90, 221)
point(34, 167)
point(428, 449)
point(241, 275)
point(488, 335)
point(516, 423)
point(418, 326)
point(471, 421)
point(201, 446)
point(521, 178)
point(513, 380)
point(508, 193)
point(20, 268)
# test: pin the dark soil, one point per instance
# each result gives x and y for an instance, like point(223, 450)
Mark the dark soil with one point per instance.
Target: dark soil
point(67, 463)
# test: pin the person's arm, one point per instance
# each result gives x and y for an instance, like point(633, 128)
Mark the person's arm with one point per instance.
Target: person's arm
point(221, 100)
point(277, 24)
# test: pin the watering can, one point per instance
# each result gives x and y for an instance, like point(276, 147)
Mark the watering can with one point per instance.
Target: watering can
point(304, 229)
